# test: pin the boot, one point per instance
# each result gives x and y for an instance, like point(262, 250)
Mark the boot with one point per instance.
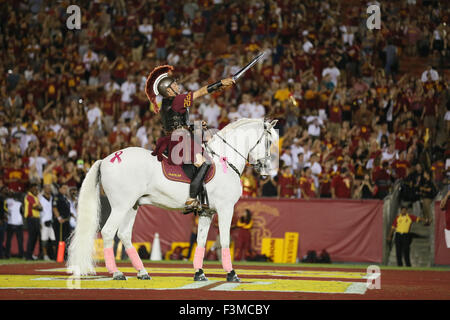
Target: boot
point(196, 185)
point(204, 198)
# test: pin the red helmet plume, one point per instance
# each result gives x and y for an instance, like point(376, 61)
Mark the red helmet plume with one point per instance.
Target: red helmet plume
point(152, 82)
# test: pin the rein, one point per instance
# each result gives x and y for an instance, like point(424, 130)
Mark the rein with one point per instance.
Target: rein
point(234, 149)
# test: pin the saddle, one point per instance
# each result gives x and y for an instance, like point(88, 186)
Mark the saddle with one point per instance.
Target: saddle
point(176, 172)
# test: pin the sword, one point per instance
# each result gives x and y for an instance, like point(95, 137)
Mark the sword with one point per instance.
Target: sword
point(238, 74)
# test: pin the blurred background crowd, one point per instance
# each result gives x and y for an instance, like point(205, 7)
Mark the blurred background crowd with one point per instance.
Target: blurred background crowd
point(359, 110)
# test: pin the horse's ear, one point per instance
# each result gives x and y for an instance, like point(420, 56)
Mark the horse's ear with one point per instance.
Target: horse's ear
point(273, 123)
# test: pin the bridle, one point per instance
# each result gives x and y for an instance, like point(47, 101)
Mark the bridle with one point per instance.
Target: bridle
point(260, 163)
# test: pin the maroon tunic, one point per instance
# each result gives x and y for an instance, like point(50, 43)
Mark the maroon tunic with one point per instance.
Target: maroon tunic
point(181, 103)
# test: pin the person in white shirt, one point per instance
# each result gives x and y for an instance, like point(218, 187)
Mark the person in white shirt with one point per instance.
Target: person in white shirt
point(296, 148)
point(146, 29)
point(333, 72)
point(14, 224)
point(38, 162)
point(89, 58)
point(47, 232)
point(142, 135)
point(307, 46)
point(210, 111)
point(94, 114)
point(73, 200)
point(390, 154)
point(3, 132)
point(128, 89)
point(314, 128)
point(25, 140)
point(257, 111)
point(316, 168)
point(287, 158)
point(244, 108)
point(429, 75)
point(234, 115)
point(112, 85)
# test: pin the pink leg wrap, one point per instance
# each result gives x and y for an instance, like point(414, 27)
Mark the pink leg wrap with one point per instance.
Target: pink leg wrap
point(226, 260)
point(135, 259)
point(198, 257)
point(110, 260)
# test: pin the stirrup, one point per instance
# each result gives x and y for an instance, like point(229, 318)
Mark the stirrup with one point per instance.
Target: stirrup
point(193, 206)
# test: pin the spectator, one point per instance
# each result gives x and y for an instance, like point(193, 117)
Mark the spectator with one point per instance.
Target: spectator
point(73, 200)
point(249, 184)
point(307, 186)
point(3, 218)
point(366, 189)
point(429, 75)
point(341, 185)
point(268, 187)
point(47, 232)
point(210, 112)
point(244, 236)
point(427, 192)
point(382, 179)
point(61, 213)
point(32, 213)
point(15, 222)
point(286, 183)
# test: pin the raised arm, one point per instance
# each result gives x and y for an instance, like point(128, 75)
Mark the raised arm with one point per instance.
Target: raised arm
point(225, 83)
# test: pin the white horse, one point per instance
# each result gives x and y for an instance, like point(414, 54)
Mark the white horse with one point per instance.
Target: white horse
point(133, 177)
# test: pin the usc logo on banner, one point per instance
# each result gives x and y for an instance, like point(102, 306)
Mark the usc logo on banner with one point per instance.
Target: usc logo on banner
point(260, 229)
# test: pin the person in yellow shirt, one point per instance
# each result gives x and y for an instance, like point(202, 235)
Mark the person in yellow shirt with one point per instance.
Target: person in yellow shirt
point(249, 184)
point(401, 226)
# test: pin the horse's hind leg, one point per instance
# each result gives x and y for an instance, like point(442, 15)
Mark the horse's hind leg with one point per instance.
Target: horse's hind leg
point(124, 234)
point(204, 222)
point(225, 216)
point(108, 232)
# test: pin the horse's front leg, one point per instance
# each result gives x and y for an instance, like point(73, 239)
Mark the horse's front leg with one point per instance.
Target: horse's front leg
point(225, 216)
point(204, 222)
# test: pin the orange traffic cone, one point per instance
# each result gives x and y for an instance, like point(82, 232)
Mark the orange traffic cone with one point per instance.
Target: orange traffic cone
point(61, 246)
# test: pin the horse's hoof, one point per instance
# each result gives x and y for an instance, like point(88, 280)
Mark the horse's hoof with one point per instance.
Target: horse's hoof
point(119, 276)
point(200, 276)
point(144, 277)
point(232, 277)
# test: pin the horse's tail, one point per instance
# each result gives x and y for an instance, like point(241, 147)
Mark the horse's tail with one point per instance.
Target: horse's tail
point(81, 249)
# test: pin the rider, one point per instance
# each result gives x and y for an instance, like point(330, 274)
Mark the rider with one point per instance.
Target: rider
point(175, 115)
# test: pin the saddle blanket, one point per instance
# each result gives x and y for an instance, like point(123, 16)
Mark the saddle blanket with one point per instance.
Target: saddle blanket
point(176, 172)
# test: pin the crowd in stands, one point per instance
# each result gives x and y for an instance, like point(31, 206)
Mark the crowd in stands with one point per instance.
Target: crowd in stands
point(351, 124)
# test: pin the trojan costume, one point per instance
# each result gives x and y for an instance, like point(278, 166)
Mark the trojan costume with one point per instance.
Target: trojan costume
point(175, 119)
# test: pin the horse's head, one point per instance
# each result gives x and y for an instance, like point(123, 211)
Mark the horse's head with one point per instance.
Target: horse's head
point(261, 156)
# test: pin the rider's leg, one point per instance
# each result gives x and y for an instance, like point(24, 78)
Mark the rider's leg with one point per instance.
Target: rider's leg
point(197, 180)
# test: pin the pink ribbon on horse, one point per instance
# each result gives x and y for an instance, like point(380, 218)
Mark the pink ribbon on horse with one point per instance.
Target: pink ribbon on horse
point(223, 161)
point(117, 156)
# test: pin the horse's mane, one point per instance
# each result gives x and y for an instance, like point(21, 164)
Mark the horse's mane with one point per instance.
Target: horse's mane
point(238, 123)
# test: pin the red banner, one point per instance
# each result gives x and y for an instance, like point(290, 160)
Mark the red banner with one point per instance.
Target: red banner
point(441, 252)
point(350, 230)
